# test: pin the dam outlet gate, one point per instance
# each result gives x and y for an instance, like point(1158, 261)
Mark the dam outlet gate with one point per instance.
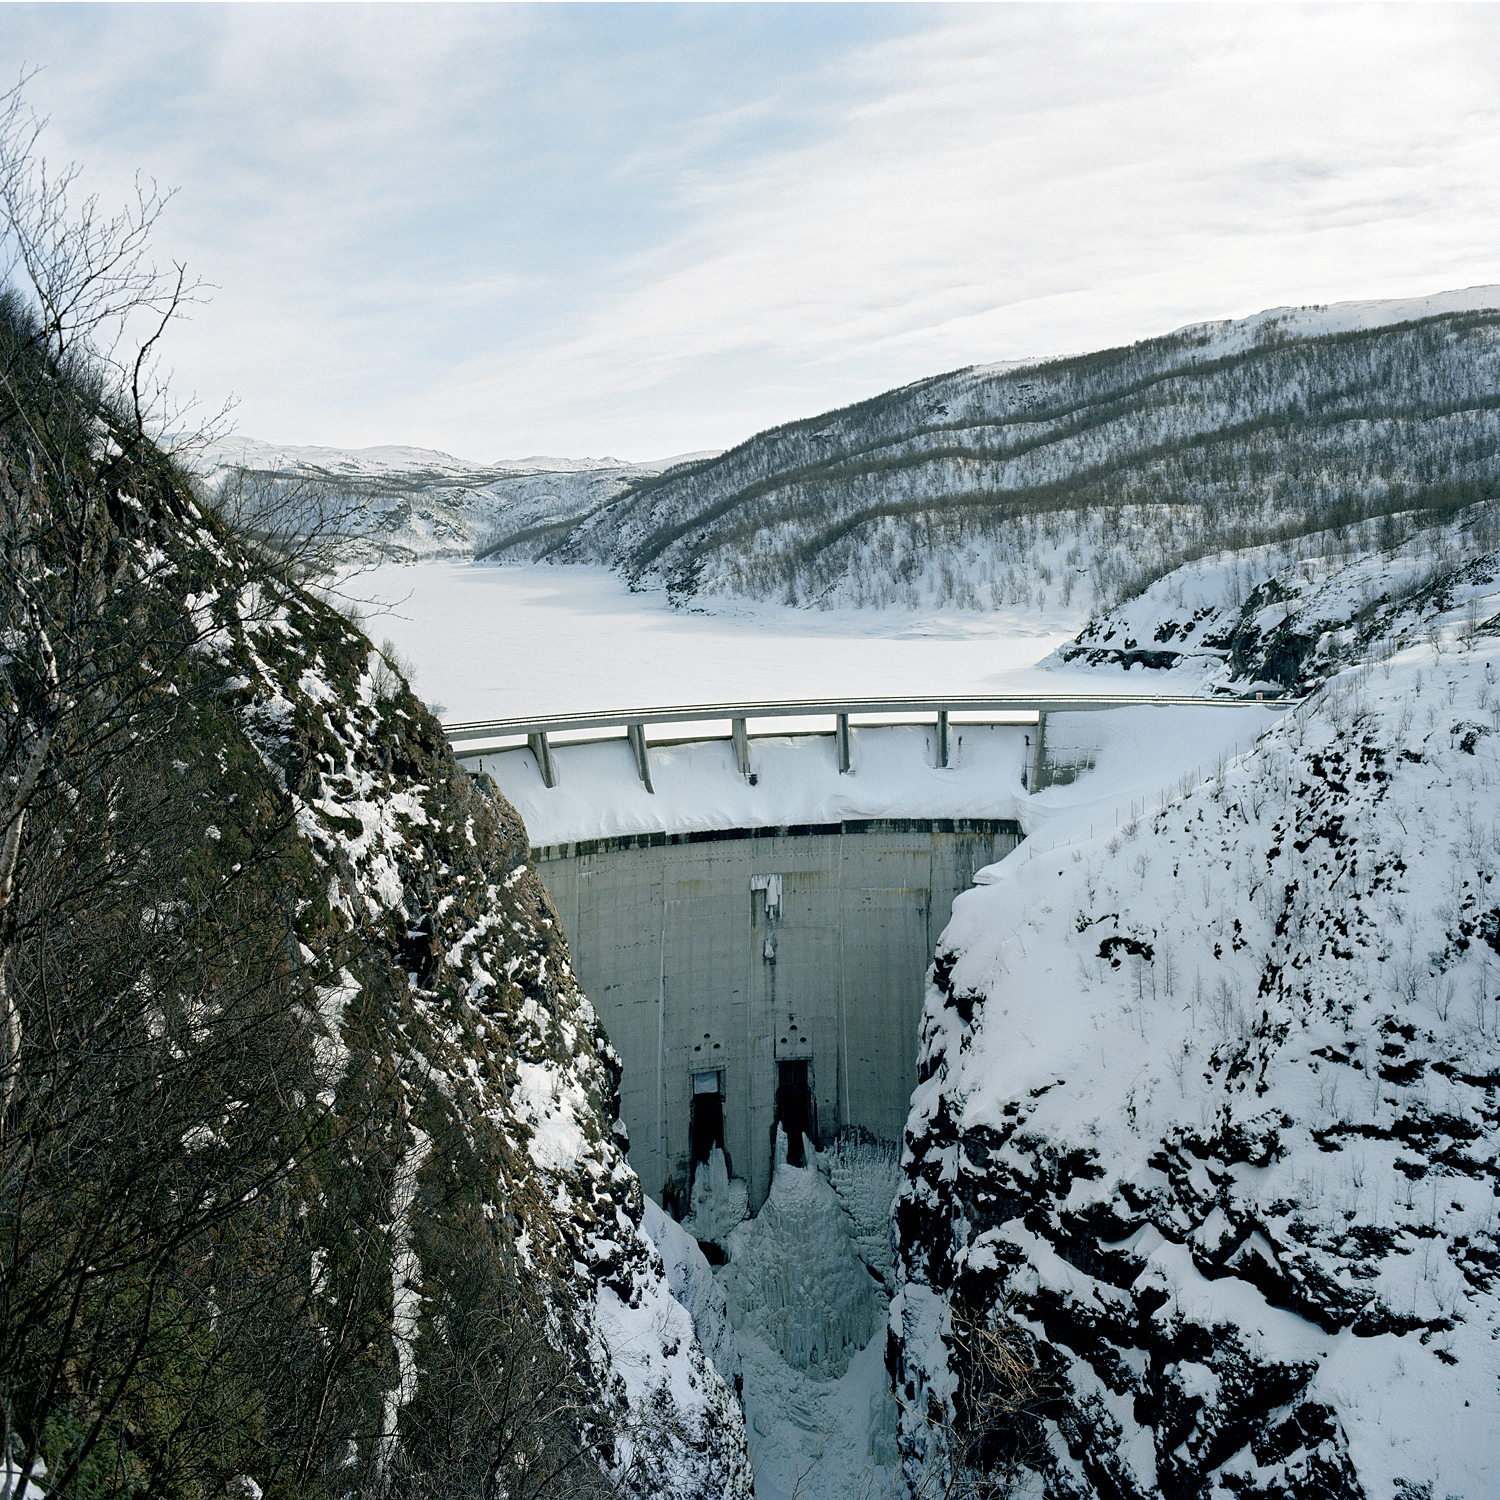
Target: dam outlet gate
point(757, 979)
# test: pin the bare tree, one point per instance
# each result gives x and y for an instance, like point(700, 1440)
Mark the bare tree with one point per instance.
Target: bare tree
point(98, 300)
point(301, 525)
point(71, 412)
point(986, 1443)
point(161, 1081)
point(199, 1214)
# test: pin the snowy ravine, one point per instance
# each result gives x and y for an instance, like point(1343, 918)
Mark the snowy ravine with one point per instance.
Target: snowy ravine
point(794, 1315)
point(1208, 1106)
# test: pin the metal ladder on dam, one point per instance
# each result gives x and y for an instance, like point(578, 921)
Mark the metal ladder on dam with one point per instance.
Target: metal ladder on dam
point(486, 736)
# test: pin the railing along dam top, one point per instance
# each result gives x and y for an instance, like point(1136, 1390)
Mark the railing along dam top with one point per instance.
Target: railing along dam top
point(479, 737)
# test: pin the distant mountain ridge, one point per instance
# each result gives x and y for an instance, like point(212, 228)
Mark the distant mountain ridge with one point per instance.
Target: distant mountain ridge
point(1100, 471)
point(999, 484)
point(412, 503)
point(396, 458)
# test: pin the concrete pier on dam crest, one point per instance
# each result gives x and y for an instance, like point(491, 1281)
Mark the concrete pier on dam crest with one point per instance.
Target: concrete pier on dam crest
point(754, 973)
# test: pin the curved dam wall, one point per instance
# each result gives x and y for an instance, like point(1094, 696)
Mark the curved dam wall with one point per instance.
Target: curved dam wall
point(755, 974)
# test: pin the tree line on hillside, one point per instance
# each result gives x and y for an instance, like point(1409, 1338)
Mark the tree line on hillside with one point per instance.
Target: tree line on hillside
point(1191, 454)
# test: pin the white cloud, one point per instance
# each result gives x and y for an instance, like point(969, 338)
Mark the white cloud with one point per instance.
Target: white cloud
point(494, 230)
point(1025, 182)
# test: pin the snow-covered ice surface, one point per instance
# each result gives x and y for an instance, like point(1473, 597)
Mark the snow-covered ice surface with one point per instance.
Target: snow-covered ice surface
point(504, 642)
point(810, 1319)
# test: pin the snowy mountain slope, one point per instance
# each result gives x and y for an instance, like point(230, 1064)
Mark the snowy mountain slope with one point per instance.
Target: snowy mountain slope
point(309, 1178)
point(1231, 335)
point(409, 503)
point(1098, 472)
point(1281, 618)
point(691, 1279)
point(1208, 1111)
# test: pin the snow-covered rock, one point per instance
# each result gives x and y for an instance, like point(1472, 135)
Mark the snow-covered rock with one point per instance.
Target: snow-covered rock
point(506, 1086)
point(465, 1185)
point(692, 1282)
point(1207, 1120)
point(1279, 618)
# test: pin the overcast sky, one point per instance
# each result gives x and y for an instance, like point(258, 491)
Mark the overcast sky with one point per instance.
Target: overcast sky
point(642, 230)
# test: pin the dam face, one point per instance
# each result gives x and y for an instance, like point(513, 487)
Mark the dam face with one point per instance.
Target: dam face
point(750, 976)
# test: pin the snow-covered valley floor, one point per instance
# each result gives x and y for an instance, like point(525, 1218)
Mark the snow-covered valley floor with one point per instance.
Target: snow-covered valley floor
point(815, 1438)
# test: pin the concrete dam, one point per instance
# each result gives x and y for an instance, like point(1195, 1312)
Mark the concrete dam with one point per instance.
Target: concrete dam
point(753, 976)
point(753, 914)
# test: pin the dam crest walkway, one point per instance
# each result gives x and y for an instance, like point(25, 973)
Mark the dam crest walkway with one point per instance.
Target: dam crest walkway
point(486, 736)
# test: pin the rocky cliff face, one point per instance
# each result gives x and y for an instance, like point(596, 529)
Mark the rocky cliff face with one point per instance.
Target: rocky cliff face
point(309, 1166)
point(1208, 1118)
point(501, 1082)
